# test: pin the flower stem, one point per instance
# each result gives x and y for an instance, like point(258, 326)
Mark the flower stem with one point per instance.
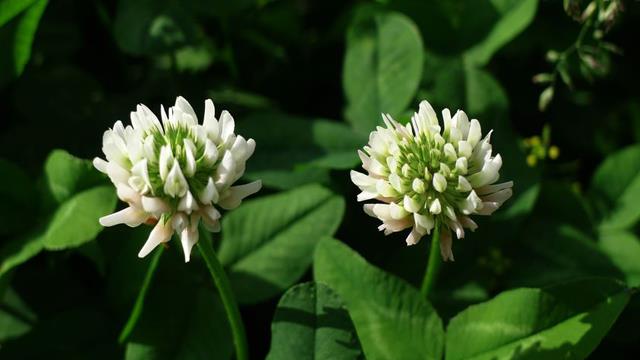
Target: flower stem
point(433, 266)
point(138, 305)
point(228, 300)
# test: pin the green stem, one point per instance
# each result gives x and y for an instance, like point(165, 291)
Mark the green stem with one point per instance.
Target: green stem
point(138, 305)
point(226, 294)
point(433, 266)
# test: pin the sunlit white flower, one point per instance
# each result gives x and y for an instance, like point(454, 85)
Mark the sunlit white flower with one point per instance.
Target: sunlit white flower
point(427, 173)
point(175, 172)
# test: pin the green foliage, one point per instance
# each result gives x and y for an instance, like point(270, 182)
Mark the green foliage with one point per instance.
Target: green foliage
point(19, 21)
point(549, 323)
point(552, 274)
point(268, 244)
point(311, 322)
point(391, 318)
point(382, 67)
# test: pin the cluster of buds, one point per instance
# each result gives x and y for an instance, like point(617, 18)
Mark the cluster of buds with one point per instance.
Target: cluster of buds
point(174, 172)
point(426, 175)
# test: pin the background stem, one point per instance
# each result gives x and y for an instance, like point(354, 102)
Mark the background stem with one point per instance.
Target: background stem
point(433, 265)
point(142, 294)
point(226, 295)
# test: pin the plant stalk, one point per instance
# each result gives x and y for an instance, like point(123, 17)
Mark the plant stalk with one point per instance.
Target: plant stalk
point(433, 265)
point(226, 295)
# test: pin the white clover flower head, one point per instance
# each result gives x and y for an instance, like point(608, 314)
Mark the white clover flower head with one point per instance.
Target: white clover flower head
point(425, 174)
point(175, 173)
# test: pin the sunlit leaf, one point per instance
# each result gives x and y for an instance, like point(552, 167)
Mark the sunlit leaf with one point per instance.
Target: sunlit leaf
point(268, 243)
point(391, 318)
point(311, 322)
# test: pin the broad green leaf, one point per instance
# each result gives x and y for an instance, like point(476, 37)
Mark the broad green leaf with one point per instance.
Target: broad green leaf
point(548, 252)
point(11, 8)
point(382, 67)
point(479, 28)
point(513, 17)
point(293, 150)
point(180, 319)
point(623, 249)
point(21, 249)
point(16, 318)
point(16, 36)
point(566, 321)
point(18, 194)
point(66, 175)
point(311, 322)
point(268, 243)
point(615, 189)
point(391, 318)
point(76, 220)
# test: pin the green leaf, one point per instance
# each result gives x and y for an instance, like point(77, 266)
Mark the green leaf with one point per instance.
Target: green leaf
point(391, 319)
point(623, 249)
point(11, 8)
point(294, 150)
point(615, 189)
point(16, 318)
point(382, 67)
point(552, 323)
point(76, 221)
point(477, 28)
point(19, 250)
point(66, 175)
point(311, 322)
point(268, 243)
point(16, 37)
point(549, 252)
point(514, 17)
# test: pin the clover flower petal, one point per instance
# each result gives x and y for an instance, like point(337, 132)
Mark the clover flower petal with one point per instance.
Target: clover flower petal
point(173, 172)
point(427, 173)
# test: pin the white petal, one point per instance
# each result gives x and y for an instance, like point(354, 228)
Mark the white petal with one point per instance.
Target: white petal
point(435, 207)
point(209, 193)
point(188, 203)
point(457, 228)
point(188, 238)
point(127, 194)
point(465, 149)
point(227, 126)
point(445, 245)
point(414, 237)
point(130, 216)
point(117, 174)
point(210, 213)
point(490, 189)
point(380, 211)
point(439, 182)
point(165, 162)
point(411, 205)
point(397, 212)
point(154, 205)
point(175, 184)
point(463, 184)
point(426, 111)
point(488, 174)
point(424, 223)
point(498, 197)
point(161, 233)
point(210, 152)
point(365, 159)
point(475, 133)
point(235, 194)
point(185, 107)
point(225, 170)
point(100, 165)
point(468, 223)
point(210, 122)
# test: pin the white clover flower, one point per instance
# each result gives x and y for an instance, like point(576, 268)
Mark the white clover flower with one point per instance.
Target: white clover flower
point(174, 173)
point(425, 175)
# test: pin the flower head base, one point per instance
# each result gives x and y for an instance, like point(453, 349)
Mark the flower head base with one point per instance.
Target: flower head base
point(427, 176)
point(174, 173)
